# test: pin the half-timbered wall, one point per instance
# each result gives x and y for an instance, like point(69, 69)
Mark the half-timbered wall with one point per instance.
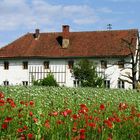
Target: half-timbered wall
point(16, 75)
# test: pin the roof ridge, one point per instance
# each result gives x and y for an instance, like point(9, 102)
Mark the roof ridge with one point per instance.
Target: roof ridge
point(133, 29)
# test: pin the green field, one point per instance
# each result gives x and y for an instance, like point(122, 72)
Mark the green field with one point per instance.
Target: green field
point(48, 113)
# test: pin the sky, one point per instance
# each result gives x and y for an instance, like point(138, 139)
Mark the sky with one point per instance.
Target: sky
point(18, 17)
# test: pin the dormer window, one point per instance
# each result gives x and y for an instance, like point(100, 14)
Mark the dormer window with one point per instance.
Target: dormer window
point(70, 64)
point(59, 39)
point(6, 65)
point(103, 64)
point(46, 64)
point(25, 65)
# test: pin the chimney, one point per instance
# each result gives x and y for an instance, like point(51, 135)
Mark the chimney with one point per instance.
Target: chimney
point(65, 35)
point(36, 35)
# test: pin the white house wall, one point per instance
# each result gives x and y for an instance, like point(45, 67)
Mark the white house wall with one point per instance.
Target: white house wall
point(113, 73)
point(16, 74)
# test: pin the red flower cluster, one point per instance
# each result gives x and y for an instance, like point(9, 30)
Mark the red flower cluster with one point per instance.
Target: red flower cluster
point(77, 123)
point(102, 107)
point(11, 102)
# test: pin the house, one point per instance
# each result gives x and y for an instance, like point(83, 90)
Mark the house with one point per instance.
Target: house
point(34, 55)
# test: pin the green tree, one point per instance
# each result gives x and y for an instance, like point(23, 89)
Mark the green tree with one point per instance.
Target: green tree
point(85, 71)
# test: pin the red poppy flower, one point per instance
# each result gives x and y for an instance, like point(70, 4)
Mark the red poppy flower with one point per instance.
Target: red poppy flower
point(26, 104)
point(102, 107)
point(74, 129)
point(69, 111)
point(31, 103)
point(22, 102)
point(35, 120)
point(4, 126)
point(8, 119)
point(99, 129)
point(92, 124)
point(2, 102)
point(54, 114)
point(109, 138)
point(82, 136)
point(117, 119)
point(13, 105)
point(19, 130)
point(1, 95)
point(64, 113)
point(30, 136)
point(83, 105)
point(97, 119)
point(59, 122)
point(25, 127)
point(138, 115)
point(22, 137)
point(9, 100)
point(82, 130)
point(108, 123)
point(133, 110)
point(75, 116)
point(47, 124)
point(31, 113)
point(112, 119)
point(83, 109)
point(82, 133)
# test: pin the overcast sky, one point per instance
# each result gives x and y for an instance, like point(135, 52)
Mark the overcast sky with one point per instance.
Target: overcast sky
point(17, 17)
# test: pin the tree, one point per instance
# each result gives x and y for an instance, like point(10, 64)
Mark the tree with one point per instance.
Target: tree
point(85, 72)
point(133, 65)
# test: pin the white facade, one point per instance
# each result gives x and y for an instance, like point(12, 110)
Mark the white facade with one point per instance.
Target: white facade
point(16, 75)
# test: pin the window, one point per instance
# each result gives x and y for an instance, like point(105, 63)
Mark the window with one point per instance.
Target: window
point(6, 83)
point(25, 83)
point(70, 64)
point(25, 65)
point(6, 65)
point(107, 83)
point(103, 64)
point(46, 64)
point(121, 84)
point(76, 83)
point(121, 64)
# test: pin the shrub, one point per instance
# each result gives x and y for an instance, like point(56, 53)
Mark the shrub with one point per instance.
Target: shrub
point(47, 81)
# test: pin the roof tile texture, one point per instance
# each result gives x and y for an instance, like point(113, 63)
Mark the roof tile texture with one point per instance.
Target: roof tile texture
point(82, 44)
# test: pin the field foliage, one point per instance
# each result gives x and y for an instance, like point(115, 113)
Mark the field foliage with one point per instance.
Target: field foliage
point(48, 113)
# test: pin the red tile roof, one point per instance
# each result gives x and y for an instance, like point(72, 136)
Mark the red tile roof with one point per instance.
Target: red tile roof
point(82, 44)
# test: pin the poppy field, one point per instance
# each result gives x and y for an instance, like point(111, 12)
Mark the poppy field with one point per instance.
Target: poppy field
point(48, 113)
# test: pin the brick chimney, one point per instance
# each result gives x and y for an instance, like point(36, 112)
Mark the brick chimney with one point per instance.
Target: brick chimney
point(65, 35)
point(37, 33)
